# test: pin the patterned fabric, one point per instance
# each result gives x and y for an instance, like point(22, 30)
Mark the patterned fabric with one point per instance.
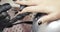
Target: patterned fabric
point(19, 27)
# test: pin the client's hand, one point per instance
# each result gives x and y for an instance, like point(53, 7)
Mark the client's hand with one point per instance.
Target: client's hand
point(51, 7)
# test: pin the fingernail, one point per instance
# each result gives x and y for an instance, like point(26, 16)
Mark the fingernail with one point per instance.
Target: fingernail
point(39, 23)
point(14, 0)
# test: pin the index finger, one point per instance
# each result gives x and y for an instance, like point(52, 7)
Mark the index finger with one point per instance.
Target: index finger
point(27, 2)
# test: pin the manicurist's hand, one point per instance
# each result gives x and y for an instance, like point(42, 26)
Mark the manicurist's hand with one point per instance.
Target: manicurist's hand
point(51, 7)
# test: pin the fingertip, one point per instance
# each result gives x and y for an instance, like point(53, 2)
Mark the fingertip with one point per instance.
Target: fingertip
point(39, 23)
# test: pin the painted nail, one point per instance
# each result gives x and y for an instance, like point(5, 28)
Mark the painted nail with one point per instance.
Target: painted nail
point(39, 23)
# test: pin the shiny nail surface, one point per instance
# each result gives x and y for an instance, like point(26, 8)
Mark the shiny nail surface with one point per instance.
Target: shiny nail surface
point(39, 23)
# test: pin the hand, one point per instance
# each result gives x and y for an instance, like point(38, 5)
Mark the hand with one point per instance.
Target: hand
point(4, 16)
point(51, 7)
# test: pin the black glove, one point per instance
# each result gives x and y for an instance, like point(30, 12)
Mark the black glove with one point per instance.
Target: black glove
point(4, 16)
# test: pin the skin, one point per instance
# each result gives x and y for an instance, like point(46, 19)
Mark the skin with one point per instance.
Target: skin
point(51, 7)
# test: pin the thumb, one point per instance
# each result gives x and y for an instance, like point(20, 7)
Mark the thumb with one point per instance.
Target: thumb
point(49, 18)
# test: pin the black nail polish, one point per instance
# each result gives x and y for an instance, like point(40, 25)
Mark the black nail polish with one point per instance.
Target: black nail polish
point(39, 23)
point(14, 0)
